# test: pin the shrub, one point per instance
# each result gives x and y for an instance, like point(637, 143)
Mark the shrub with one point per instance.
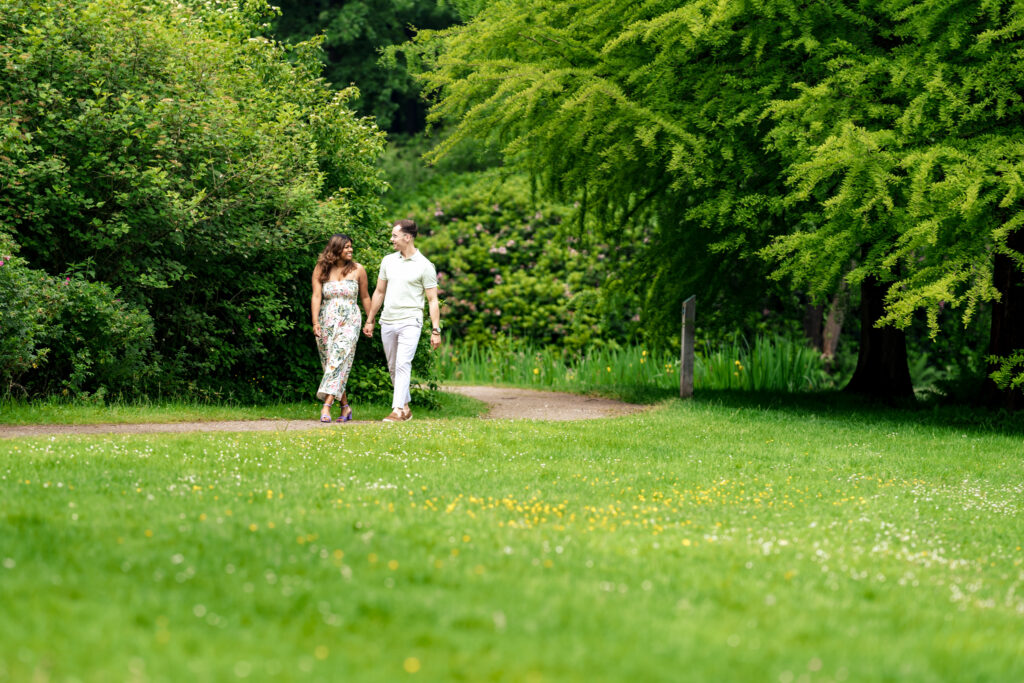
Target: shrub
point(510, 266)
point(68, 335)
point(169, 151)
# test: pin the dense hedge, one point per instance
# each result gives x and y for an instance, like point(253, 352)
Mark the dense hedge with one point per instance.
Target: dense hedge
point(64, 335)
point(510, 266)
point(196, 169)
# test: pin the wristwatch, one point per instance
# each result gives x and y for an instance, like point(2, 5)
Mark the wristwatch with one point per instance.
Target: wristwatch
point(436, 330)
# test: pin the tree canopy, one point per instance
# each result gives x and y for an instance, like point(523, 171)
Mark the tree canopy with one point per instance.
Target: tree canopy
point(354, 31)
point(865, 144)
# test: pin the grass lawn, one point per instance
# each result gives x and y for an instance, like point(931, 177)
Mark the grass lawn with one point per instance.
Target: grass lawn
point(708, 540)
point(43, 412)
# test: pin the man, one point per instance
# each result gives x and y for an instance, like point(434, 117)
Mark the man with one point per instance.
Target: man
point(405, 278)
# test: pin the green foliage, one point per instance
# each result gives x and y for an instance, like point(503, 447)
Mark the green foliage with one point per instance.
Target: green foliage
point(1010, 371)
point(769, 364)
point(67, 335)
point(354, 32)
point(508, 265)
point(627, 372)
point(839, 140)
point(172, 153)
point(906, 158)
point(647, 114)
point(20, 318)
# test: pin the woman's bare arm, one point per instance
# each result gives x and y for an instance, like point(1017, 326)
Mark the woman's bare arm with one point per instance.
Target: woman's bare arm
point(314, 303)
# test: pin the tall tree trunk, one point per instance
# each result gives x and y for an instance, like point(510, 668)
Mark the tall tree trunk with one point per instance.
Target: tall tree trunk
point(812, 325)
point(1006, 334)
point(882, 371)
point(833, 327)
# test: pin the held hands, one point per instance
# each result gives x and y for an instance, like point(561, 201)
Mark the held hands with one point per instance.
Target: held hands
point(368, 328)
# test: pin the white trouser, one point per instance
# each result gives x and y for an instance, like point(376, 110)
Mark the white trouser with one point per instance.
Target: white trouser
point(400, 340)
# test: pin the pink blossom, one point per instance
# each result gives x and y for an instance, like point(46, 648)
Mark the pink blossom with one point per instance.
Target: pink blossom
point(510, 243)
point(538, 216)
point(497, 279)
point(502, 250)
point(495, 207)
point(67, 280)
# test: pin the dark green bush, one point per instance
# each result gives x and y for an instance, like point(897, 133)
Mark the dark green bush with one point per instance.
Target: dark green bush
point(169, 151)
point(67, 335)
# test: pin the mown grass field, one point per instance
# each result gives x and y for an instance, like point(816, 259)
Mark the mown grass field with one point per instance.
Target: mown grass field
point(706, 540)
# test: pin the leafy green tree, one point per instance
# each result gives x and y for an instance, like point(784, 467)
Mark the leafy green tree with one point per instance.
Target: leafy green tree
point(908, 158)
point(649, 114)
point(354, 31)
point(170, 151)
point(870, 144)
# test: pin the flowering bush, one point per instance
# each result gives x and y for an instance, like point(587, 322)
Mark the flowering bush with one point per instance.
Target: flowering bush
point(509, 266)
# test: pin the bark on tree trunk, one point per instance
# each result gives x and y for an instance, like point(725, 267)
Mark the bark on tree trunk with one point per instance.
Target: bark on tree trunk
point(882, 371)
point(1006, 334)
point(833, 327)
point(812, 325)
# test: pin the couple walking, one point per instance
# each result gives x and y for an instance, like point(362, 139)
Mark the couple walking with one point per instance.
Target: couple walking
point(405, 279)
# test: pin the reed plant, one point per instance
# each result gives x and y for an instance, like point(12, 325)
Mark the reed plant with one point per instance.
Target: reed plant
point(768, 364)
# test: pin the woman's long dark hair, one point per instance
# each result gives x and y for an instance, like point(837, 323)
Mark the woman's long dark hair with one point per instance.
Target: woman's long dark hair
point(332, 257)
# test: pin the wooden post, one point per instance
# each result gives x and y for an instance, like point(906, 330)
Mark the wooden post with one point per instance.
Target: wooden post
point(686, 349)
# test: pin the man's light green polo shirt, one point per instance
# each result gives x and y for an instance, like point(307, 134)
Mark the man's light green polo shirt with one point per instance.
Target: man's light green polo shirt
point(407, 279)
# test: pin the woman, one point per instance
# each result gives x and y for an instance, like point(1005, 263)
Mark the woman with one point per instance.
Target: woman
point(337, 282)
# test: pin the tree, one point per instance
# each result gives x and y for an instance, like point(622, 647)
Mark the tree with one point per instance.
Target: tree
point(170, 151)
point(663, 108)
point(845, 142)
point(911, 158)
point(354, 31)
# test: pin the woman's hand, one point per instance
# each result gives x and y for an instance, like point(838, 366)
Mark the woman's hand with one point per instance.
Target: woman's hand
point(368, 329)
point(316, 330)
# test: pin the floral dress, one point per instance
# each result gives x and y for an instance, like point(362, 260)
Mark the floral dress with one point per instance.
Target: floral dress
point(340, 322)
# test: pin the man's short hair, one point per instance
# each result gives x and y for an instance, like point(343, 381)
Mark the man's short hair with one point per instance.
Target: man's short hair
point(407, 226)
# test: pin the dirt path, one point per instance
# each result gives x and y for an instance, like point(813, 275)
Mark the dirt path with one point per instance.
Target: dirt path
point(504, 403)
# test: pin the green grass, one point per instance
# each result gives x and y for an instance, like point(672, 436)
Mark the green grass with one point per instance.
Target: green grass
point(49, 412)
point(711, 540)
